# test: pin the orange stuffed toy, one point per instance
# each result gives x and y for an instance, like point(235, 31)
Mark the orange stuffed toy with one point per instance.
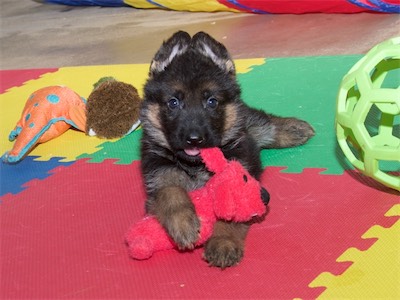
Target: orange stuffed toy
point(48, 113)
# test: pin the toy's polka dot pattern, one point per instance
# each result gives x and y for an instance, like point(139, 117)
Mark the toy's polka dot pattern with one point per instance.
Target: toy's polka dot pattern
point(54, 99)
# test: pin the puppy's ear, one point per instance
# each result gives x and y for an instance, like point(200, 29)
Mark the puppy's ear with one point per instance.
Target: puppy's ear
point(177, 44)
point(209, 47)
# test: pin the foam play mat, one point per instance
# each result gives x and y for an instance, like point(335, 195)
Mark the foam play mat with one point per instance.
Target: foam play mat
point(330, 232)
point(253, 6)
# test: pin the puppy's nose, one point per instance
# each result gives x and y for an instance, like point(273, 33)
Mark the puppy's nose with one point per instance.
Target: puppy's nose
point(194, 139)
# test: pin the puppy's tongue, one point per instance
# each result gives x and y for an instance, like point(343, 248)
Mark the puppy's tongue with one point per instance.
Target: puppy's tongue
point(192, 151)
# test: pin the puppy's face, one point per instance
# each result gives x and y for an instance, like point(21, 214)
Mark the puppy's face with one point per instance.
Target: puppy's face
point(191, 96)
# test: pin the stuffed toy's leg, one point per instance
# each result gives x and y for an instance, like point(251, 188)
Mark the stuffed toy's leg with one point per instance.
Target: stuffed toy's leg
point(26, 138)
point(146, 237)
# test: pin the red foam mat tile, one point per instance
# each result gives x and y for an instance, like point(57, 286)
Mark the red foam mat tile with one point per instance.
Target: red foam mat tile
point(63, 237)
point(12, 78)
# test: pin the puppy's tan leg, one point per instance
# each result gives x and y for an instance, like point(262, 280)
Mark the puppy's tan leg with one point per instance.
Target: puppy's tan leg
point(225, 248)
point(176, 213)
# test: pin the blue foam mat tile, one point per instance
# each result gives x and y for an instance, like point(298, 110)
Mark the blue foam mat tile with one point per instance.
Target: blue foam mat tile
point(14, 176)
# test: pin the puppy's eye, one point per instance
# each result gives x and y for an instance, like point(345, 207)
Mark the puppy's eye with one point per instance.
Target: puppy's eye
point(212, 102)
point(173, 103)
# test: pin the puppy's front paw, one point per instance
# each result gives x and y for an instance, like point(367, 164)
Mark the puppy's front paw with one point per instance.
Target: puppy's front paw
point(183, 226)
point(176, 213)
point(223, 252)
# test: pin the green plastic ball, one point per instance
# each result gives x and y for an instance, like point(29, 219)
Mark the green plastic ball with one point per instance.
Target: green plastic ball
point(368, 114)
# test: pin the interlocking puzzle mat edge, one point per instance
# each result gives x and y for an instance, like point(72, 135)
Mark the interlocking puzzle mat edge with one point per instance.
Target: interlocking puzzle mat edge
point(374, 273)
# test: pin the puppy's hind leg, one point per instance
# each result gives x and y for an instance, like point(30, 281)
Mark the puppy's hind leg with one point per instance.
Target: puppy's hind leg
point(271, 131)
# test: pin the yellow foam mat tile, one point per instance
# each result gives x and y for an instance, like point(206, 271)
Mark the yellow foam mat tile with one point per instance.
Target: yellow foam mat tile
point(374, 273)
point(80, 79)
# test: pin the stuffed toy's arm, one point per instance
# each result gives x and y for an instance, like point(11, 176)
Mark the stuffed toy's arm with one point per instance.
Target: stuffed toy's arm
point(146, 237)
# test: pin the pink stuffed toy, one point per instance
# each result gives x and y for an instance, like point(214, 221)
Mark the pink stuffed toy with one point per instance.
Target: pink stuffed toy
point(231, 194)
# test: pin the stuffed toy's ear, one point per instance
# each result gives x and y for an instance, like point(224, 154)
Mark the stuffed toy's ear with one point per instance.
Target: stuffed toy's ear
point(214, 159)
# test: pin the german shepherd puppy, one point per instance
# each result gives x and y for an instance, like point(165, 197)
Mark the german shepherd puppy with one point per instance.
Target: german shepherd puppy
point(193, 100)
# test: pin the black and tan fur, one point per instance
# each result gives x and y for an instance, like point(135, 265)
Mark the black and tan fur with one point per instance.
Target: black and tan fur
point(192, 100)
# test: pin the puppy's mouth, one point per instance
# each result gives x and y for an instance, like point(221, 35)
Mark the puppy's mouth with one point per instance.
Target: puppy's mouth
point(192, 151)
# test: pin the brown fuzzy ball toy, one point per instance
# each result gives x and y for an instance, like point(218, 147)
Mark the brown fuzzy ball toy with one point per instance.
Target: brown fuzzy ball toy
point(112, 109)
